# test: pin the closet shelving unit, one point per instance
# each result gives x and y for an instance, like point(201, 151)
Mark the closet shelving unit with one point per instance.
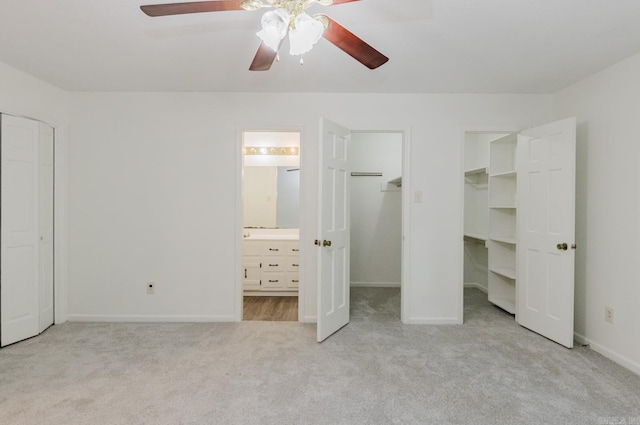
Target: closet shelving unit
point(502, 222)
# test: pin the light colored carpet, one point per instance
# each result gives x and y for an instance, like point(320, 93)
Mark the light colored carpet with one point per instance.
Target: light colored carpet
point(374, 371)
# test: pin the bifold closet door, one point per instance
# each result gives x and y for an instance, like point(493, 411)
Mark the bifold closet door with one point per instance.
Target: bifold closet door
point(45, 214)
point(19, 268)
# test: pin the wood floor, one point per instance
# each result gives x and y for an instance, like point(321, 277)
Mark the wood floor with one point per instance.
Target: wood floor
point(270, 308)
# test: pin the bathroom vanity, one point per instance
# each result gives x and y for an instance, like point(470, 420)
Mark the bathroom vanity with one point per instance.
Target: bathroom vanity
point(270, 261)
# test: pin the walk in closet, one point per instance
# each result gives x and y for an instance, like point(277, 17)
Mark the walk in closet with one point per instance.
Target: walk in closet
point(519, 224)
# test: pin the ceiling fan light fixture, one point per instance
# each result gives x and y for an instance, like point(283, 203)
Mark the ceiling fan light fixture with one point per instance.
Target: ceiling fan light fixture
point(274, 28)
point(305, 34)
point(251, 4)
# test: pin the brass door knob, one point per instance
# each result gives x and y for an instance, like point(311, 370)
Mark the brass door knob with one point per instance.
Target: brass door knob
point(317, 242)
point(326, 243)
point(562, 246)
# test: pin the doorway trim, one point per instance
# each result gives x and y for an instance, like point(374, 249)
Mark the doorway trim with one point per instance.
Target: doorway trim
point(405, 230)
point(239, 184)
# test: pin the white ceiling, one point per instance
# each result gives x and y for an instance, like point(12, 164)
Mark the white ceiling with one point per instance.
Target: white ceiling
point(436, 46)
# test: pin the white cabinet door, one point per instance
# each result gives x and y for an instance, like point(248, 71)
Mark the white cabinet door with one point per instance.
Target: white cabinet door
point(19, 230)
point(546, 230)
point(45, 208)
point(252, 274)
point(333, 267)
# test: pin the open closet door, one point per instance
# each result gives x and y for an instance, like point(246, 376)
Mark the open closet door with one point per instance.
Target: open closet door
point(19, 230)
point(546, 230)
point(333, 266)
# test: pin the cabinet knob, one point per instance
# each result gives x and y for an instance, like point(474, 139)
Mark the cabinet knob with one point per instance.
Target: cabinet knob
point(562, 246)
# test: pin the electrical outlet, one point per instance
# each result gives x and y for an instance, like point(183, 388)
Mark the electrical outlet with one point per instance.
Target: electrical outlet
point(151, 288)
point(608, 314)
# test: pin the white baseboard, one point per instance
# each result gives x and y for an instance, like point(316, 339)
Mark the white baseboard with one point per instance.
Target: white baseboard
point(433, 321)
point(310, 319)
point(145, 318)
point(477, 286)
point(610, 354)
point(376, 284)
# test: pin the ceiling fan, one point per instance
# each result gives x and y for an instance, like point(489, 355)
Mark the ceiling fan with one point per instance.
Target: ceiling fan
point(285, 17)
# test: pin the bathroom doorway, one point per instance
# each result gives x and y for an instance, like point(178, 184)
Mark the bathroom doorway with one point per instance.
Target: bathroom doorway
point(271, 225)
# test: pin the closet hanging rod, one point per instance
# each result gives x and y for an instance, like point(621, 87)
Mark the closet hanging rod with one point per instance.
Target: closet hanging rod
point(363, 174)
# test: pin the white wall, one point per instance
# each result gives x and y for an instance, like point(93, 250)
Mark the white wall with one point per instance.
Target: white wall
point(23, 95)
point(153, 193)
point(376, 215)
point(607, 107)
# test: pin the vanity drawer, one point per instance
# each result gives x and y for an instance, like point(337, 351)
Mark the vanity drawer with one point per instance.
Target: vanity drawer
point(293, 248)
point(273, 281)
point(271, 248)
point(292, 281)
point(273, 264)
point(293, 265)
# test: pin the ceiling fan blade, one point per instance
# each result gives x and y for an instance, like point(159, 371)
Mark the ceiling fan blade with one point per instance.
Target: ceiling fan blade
point(191, 7)
point(353, 45)
point(263, 59)
point(335, 2)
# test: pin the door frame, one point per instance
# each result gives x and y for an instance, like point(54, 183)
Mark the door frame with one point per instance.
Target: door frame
point(308, 165)
point(405, 228)
point(238, 225)
point(481, 129)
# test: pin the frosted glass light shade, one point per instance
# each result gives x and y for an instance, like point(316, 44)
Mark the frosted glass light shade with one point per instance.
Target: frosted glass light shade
point(306, 32)
point(274, 28)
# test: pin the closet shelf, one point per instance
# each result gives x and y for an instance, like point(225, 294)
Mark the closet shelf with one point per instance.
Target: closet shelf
point(508, 273)
point(476, 171)
point(397, 181)
point(504, 239)
point(510, 173)
point(477, 236)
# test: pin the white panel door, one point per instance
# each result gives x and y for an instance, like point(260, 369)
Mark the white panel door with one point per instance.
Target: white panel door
point(19, 230)
point(546, 230)
point(45, 209)
point(333, 267)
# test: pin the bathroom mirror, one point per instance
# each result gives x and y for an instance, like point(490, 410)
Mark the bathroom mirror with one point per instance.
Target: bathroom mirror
point(271, 197)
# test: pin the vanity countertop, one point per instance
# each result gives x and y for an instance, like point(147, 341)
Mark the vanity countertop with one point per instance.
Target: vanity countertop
point(270, 234)
point(271, 237)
